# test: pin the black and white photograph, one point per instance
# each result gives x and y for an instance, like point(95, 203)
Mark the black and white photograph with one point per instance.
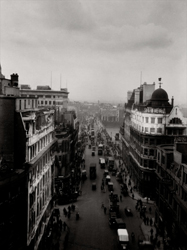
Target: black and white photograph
point(93, 125)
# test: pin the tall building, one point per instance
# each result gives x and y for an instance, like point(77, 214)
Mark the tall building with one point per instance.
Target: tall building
point(171, 193)
point(27, 147)
point(149, 120)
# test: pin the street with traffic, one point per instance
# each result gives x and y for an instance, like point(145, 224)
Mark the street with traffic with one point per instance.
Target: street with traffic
point(93, 229)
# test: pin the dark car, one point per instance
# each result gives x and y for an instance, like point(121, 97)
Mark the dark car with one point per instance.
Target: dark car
point(128, 211)
point(119, 223)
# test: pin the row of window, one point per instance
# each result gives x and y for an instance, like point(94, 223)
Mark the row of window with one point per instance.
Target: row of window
point(50, 102)
point(154, 120)
point(35, 211)
point(39, 145)
point(27, 104)
point(146, 163)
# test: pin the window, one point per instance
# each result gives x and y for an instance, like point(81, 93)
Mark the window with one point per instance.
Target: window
point(152, 120)
point(49, 102)
point(147, 119)
point(159, 130)
point(160, 120)
point(145, 163)
point(158, 156)
point(53, 102)
point(41, 102)
point(146, 129)
point(152, 130)
point(152, 141)
point(45, 102)
point(146, 141)
point(151, 152)
point(163, 159)
point(20, 104)
point(145, 151)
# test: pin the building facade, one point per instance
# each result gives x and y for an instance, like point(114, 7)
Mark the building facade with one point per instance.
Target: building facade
point(171, 193)
point(28, 144)
point(149, 120)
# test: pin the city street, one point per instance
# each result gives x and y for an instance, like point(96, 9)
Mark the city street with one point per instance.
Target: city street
point(92, 230)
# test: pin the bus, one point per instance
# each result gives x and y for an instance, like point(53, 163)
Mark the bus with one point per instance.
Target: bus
point(92, 171)
point(100, 149)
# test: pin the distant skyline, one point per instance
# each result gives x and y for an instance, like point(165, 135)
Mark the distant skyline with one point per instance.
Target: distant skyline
point(97, 49)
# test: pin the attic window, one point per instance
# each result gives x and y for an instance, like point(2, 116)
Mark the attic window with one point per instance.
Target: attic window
point(175, 120)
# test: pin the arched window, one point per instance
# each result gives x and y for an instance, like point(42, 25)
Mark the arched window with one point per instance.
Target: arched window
point(175, 120)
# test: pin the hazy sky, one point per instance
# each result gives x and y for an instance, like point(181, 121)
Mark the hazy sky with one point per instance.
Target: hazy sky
point(97, 48)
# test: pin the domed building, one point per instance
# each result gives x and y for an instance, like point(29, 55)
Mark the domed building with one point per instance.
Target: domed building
point(151, 120)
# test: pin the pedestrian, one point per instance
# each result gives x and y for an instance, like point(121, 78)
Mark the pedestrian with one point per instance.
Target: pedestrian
point(158, 244)
point(151, 221)
point(60, 224)
point(150, 209)
point(105, 210)
point(120, 197)
point(65, 226)
point(147, 220)
point(151, 231)
point(144, 220)
point(133, 196)
point(69, 214)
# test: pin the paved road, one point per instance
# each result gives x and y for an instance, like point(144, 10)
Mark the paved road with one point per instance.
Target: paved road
point(92, 230)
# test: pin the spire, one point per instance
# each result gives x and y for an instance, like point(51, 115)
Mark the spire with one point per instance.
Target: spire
point(160, 82)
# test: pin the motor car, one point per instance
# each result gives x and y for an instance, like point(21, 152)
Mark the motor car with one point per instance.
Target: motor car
point(128, 211)
point(100, 160)
point(119, 223)
point(93, 186)
point(105, 172)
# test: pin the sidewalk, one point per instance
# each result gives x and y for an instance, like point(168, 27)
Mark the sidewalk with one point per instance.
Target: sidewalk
point(146, 228)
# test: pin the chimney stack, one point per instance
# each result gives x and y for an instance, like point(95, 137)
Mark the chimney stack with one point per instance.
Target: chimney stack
point(14, 80)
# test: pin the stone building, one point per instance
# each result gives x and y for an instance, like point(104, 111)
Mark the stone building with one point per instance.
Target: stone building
point(27, 146)
point(171, 193)
point(149, 120)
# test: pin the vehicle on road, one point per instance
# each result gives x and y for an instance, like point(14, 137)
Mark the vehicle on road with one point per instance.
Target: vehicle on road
point(108, 179)
point(123, 238)
point(105, 173)
point(93, 186)
point(102, 162)
point(112, 219)
point(84, 174)
point(128, 211)
point(110, 163)
point(100, 149)
point(145, 245)
point(124, 189)
point(120, 223)
point(114, 171)
point(110, 186)
point(92, 170)
point(114, 203)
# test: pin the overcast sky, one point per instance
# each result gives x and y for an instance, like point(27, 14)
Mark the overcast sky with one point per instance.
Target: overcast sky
point(96, 48)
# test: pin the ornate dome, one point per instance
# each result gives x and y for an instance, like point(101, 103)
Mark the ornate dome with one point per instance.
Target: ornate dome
point(159, 95)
